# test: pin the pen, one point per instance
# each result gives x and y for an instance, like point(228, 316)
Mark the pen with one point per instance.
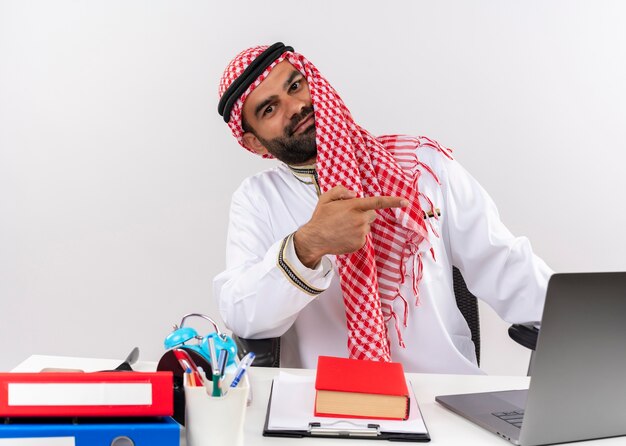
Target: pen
point(213, 354)
point(186, 362)
point(217, 390)
point(221, 362)
point(202, 375)
point(246, 361)
point(188, 377)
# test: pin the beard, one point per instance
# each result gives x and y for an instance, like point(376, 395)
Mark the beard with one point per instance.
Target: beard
point(294, 149)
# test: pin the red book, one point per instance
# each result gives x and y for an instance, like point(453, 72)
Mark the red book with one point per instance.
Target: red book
point(70, 394)
point(360, 389)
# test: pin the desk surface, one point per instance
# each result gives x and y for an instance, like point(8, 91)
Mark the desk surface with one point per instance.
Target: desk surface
point(445, 427)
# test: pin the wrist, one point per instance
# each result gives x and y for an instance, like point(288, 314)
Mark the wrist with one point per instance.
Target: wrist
point(305, 248)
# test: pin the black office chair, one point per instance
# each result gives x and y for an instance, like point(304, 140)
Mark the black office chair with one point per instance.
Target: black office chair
point(268, 350)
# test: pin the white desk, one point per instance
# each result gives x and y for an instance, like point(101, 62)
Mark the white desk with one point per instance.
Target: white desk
point(445, 427)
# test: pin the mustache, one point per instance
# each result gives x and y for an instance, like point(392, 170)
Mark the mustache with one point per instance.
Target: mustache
point(306, 111)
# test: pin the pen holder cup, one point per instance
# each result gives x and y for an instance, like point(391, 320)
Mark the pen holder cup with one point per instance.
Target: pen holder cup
point(215, 421)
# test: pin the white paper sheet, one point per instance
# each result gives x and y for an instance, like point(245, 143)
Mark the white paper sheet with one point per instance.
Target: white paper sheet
point(293, 405)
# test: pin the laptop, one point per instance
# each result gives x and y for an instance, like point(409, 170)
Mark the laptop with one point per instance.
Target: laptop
point(578, 384)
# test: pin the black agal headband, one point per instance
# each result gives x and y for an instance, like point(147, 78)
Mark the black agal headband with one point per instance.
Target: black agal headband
point(249, 75)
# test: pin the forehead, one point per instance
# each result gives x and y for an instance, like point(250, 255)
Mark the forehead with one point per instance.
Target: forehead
point(272, 84)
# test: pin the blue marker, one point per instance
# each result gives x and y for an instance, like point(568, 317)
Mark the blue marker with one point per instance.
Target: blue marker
point(221, 362)
point(241, 369)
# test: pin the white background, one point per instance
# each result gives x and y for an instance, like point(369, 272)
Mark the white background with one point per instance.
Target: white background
point(116, 171)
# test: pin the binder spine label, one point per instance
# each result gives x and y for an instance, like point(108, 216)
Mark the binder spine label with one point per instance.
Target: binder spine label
point(79, 394)
point(38, 441)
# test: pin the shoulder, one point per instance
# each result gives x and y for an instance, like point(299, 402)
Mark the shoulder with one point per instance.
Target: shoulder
point(260, 183)
point(433, 154)
point(257, 191)
point(421, 153)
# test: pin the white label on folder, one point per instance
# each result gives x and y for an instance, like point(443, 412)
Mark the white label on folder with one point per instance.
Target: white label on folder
point(79, 394)
point(40, 441)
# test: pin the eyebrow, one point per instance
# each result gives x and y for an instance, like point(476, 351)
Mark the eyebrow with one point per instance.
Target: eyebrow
point(294, 74)
point(264, 104)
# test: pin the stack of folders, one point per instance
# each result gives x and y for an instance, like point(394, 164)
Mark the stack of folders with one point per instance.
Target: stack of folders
point(87, 409)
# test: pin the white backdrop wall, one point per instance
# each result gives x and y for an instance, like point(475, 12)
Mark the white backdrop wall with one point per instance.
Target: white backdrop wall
point(116, 171)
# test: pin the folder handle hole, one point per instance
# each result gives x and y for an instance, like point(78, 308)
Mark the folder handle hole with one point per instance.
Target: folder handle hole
point(122, 441)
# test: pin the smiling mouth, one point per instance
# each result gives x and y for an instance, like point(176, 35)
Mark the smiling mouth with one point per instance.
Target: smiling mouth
point(304, 124)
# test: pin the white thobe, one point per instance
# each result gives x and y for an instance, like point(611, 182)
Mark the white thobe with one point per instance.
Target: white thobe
point(265, 290)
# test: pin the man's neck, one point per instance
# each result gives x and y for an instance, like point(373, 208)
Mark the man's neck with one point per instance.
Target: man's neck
point(305, 173)
point(310, 164)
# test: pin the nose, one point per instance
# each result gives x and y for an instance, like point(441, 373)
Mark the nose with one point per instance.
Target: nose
point(295, 106)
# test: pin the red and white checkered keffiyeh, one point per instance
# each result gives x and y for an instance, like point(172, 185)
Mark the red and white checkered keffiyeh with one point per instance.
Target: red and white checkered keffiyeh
point(350, 156)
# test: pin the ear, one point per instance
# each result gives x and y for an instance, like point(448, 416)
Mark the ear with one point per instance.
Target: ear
point(251, 142)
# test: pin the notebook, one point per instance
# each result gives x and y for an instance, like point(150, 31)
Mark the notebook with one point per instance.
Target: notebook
point(356, 388)
point(578, 384)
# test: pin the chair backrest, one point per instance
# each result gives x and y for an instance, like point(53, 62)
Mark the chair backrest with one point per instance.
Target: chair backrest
point(468, 304)
point(268, 350)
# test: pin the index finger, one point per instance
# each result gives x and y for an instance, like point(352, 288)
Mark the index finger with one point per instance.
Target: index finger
point(381, 202)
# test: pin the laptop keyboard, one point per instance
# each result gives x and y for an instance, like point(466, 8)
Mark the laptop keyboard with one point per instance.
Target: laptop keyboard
point(515, 418)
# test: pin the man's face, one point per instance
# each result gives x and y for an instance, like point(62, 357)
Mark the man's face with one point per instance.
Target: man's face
point(280, 114)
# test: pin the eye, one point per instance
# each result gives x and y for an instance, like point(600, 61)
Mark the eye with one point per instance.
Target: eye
point(268, 110)
point(295, 86)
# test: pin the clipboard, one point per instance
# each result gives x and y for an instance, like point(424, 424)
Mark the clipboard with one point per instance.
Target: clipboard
point(296, 419)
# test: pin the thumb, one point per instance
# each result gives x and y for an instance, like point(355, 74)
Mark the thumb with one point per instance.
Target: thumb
point(337, 193)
